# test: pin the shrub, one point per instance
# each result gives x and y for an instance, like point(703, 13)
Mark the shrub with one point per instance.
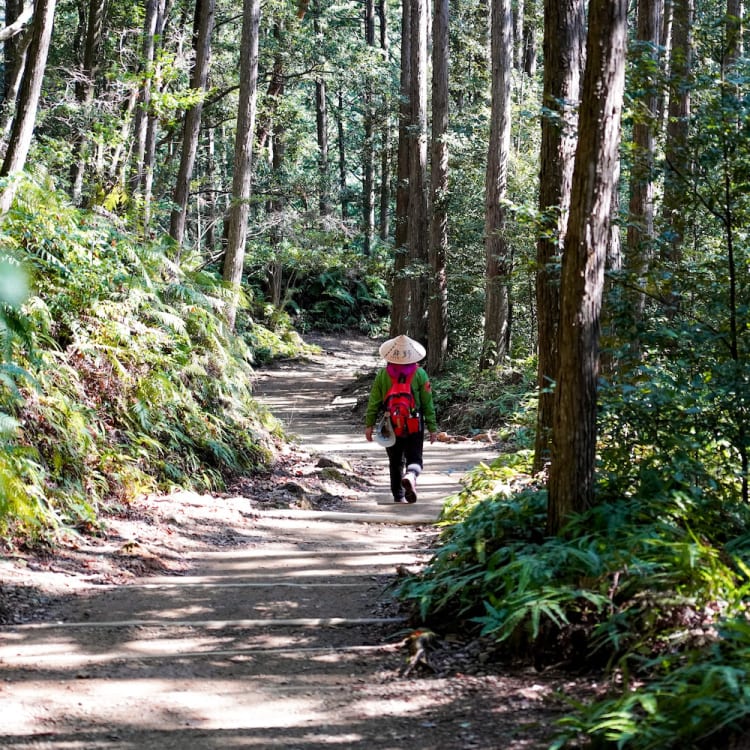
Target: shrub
point(134, 383)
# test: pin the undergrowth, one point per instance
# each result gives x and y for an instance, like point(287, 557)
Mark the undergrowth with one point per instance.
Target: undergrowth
point(651, 590)
point(119, 375)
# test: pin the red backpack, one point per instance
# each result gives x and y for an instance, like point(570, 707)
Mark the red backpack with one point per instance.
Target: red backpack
point(400, 404)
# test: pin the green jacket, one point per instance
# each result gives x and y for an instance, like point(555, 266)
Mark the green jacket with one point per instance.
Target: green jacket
point(420, 387)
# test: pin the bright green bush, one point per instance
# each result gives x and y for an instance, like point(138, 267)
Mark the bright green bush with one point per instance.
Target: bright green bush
point(134, 382)
point(694, 699)
point(501, 400)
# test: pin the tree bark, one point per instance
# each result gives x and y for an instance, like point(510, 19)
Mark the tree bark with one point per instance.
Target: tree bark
point(84, 91)
point(243, 154)
point(16, 17)
point(368, 151)
point(14, 83)
point(343, 189)
point(210, 202)
point(321, 126)
point(678, 170)
point(437, 335)
point(191, 127)
point(385, 138)
point(28, 99)
point(275, 210)
point(400, 288)
point(152, 22)
point(529, 37)
point(640, 233)
point(564, 40)
point(572, 471)
point(276, 139)
point(734, 47)
point(519, 13)
point(497, 261)
point(417, 234)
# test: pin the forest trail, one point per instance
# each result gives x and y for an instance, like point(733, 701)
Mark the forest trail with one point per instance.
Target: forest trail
point(278, 631)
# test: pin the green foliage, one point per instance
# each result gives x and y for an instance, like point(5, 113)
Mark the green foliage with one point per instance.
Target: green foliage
point(20, 478)
point(135, 383)
point(650, 584)
point(469, 401)
point(326, 288)
point(698, 698)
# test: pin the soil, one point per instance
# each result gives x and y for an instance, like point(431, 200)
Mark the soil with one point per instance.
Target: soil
point(263, 617)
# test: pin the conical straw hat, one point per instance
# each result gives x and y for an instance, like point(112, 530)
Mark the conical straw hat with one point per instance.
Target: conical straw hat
point(402, 350)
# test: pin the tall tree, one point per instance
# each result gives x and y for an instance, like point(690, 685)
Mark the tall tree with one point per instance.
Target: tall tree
point(274, 135)
point(678, 168)
point(385, 136)
point(368, 148)
point(13, 11)
point(640, 235)
point(321, 129)
point(28, 99)
point(733, 49)
point(84, 89)
point(191, 126)
point(151, 26)
point(243, 154)
point(437, 334)
point(531, 12)
point(16, 38)
point(341, 144)
point(564, 39)
point(417, 233)
point(571, 478)
point(400, 288)
point(497, 261)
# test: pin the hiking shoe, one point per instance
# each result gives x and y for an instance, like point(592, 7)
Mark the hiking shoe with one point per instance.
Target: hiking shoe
point(409, 483)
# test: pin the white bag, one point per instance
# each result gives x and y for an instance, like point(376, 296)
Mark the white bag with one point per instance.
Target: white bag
point(384, 434)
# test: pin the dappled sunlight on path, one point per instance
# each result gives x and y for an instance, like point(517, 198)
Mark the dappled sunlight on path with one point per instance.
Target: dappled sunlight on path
point(286, 638)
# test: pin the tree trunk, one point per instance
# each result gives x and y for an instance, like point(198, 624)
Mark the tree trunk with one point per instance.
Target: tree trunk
point(275, 210)
point(154, 13)
point(321, 125)
point(243, 154)
point(14, 83)
point(417, 234)
point(210, 203)
point(343, 190)
point(564, 39)
point(368, 152)
point(276, 85)
point(734, 43)
point(529, 37)
point(84, 91)
point(16, 18)
point(437, 337)
point(400, 290)
point(640, 235)
point(497, 273)
point(191, 127)
point(275, 137)
point(385, 138)
point(519, 13)
point(571, 478)
point(28, 99)
point(678, 170)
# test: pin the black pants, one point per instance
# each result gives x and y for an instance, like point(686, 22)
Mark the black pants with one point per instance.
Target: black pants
point(406, 451)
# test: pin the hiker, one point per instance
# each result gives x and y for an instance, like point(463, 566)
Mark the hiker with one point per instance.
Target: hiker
point(402, 380)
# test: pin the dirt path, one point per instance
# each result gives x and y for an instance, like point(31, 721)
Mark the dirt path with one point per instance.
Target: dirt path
point(260, 619)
